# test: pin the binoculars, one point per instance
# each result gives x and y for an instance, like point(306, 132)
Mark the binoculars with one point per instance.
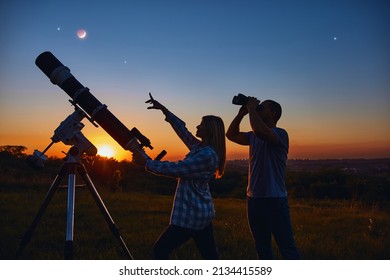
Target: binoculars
point(240, 99)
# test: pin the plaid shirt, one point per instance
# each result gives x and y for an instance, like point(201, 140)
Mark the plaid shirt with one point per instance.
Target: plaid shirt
point(193, 205)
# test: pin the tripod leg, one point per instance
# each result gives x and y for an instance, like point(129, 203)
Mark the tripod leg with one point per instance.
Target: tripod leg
point(54, 186)
point(68, 251)
point(114, 229)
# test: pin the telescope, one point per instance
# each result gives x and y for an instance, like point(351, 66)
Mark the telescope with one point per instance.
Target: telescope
point(69, 132)
point(94, 110)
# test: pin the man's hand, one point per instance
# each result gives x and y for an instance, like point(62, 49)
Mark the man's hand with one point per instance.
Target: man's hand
point(252, 103)
point(243, 111)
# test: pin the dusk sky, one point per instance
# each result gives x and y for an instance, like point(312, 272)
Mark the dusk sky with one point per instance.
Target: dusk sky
point(326, 62)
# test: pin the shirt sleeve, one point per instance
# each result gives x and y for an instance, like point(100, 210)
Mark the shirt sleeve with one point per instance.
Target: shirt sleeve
point(195, 167)
point(181, 130)
point(282, 136)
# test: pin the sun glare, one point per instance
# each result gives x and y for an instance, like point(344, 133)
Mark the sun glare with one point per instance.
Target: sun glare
point(106, 151)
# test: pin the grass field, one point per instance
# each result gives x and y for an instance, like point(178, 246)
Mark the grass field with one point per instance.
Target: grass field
point(324, 230)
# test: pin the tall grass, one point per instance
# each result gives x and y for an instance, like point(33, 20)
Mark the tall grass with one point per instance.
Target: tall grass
point(323, 229)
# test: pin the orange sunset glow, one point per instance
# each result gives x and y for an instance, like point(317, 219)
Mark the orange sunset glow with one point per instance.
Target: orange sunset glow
point(300, 148)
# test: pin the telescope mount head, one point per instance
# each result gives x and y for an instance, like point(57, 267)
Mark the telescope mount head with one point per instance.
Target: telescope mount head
point(69, 133)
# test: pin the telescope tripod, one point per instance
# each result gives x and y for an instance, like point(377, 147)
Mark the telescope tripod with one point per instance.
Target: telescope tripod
point(70, 169)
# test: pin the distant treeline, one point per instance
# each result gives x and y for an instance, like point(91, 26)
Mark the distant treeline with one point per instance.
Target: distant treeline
point(326, 183)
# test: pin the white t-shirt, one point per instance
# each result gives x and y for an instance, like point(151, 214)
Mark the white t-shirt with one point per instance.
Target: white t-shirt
point(267, 165)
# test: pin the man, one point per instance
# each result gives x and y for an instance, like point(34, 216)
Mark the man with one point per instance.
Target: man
point(267, 205)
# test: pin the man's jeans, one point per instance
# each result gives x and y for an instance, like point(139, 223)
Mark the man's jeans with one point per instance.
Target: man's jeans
point(267, 217)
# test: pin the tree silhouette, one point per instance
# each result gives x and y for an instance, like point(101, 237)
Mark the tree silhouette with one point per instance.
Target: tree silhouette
point(16, 151)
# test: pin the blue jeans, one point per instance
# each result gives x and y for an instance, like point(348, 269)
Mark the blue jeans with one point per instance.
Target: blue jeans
point(269, 217)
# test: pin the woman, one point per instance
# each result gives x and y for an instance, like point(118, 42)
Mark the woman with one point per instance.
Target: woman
point(193, 208)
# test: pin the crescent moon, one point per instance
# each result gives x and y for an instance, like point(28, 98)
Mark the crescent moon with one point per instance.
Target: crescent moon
point(81, 33)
